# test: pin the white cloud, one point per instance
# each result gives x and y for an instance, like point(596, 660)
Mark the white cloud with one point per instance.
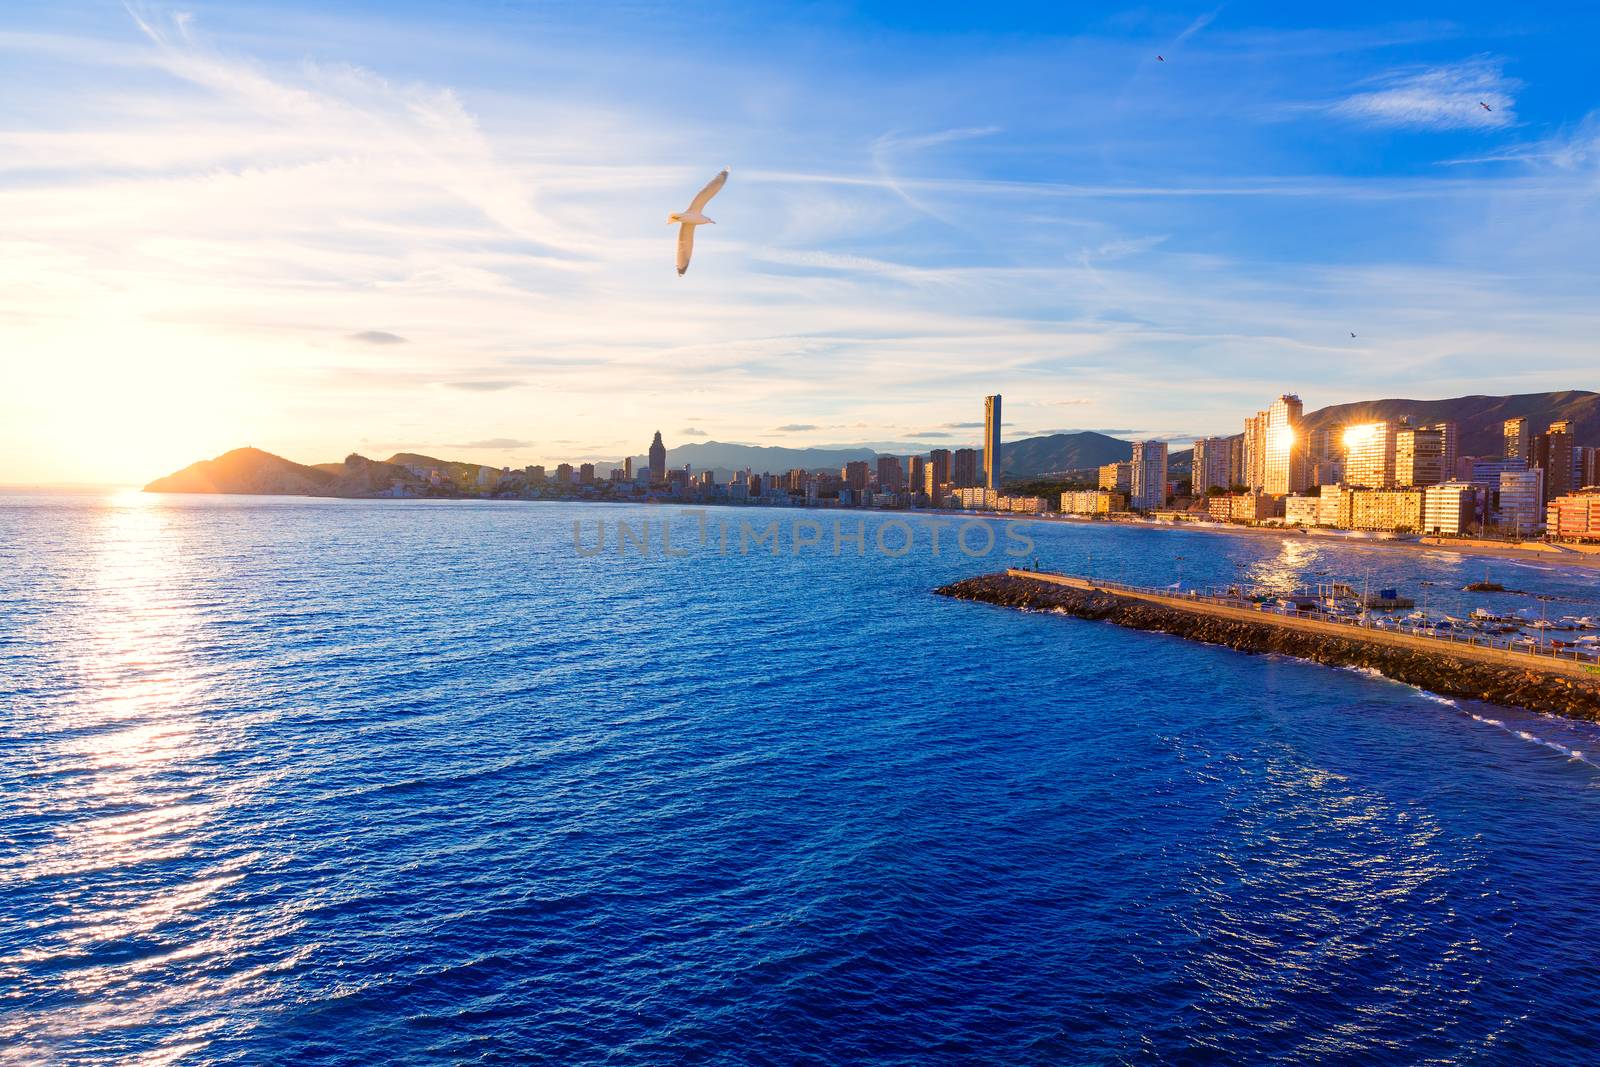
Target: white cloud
point(1437, 98)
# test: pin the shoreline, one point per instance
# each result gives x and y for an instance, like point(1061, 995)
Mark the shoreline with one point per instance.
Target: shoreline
point(1560, 556)
point(1471, 674)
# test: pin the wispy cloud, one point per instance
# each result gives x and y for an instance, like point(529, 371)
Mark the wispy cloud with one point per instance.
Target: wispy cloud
point(1437, 98)
point(690, 431)
point(377, 337)
point(492, 444)
point(796, 427)
point(493, 385)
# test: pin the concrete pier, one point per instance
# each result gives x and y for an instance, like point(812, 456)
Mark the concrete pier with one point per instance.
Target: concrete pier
point(1460, 667)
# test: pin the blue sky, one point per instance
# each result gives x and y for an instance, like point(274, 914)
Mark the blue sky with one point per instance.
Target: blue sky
point(443, 227)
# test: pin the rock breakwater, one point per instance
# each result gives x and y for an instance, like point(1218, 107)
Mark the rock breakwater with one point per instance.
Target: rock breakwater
point(1436, 671)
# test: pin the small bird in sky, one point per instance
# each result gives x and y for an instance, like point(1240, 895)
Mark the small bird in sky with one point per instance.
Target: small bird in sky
point(688, 220)
point(1485, 107)
point(1352, 333)
point(1161, 59)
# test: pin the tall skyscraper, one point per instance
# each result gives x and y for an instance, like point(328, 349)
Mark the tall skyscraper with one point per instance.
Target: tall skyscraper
point(1149, 475)
point(1420, 454)
point(938, 470)
point(658, 460)
point(627, 468)
point(855, 474)
point(916, 473)
point(991, 442)
point(890, 477)
point(964, 468)
point(1283, 446)
point(1211, 467)
point(1369, 449)
point(1557, 456)
point(1255, 452)
point(1517, 444)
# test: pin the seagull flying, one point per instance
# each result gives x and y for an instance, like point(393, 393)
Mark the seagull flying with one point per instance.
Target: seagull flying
point(688, 220)
point(1485, 107)
point(1161, 59)
point(1352, 333)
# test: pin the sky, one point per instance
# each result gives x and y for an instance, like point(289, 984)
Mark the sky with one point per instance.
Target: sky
point(405, 226)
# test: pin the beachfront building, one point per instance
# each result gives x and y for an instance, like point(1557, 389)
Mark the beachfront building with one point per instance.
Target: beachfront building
point(1453, 508)
point(1254, 474)
point(1283, 463)
point(1148, 475)
point(1386, 509)
point(1300, 510)
point(1425, 455)
point(1574, 517)
point(1521, 505)
point(1117, 476)
point(1333, 507)
point(1369, 455)
point(978, 498)
point(1210, 469)
point(1093, 501)
point(1254, 507)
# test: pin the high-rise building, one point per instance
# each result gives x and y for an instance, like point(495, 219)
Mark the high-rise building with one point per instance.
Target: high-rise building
point(1117, 476)
point(1452, 508)
point(1420, 454)
point(1521, 501)
point(1517, 442)
point(1369, 449)
point(964, 468)
point(1254, 475)
point(1386, 509)
point(1210, 468)
point(855, 474)
point(991, 442)
point(1587, 460)
point(1283, 448)
point(563, 474)
point(586, 474)
point(1236, 465)
point(1449, 447)
point(1553, 453)
point(658, 460)
point(1575, 516)
point(1149, 475)
point(938, 473)
point(916, 473)
point(890, 477)
point(627, 468)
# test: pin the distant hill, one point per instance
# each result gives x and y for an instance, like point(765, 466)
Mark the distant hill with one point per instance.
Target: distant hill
point(771, 459)
point(248, 470)
point(1479, 417)
point(252, 471)
point(1061, 452)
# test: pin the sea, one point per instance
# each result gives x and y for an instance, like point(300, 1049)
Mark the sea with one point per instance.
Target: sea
point(304, 781)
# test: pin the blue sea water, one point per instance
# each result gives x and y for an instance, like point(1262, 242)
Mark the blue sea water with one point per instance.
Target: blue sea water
point(353, 782)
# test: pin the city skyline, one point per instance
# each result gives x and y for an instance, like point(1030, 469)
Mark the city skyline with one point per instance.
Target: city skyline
point(291, 222)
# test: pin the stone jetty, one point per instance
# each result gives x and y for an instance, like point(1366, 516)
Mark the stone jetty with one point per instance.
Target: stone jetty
point(1496, 676)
